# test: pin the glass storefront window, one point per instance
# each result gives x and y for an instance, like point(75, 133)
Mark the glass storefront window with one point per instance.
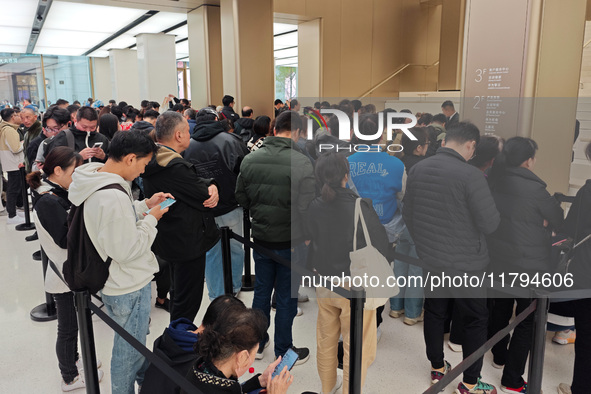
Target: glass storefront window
point(32, 77)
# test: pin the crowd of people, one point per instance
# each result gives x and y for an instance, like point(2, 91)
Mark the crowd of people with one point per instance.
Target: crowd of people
point(452, 197)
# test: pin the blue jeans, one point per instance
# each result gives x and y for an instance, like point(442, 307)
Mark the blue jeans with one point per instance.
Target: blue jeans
point(132, 312)
point(410, 297)
point(268, 273)
point(214, 272)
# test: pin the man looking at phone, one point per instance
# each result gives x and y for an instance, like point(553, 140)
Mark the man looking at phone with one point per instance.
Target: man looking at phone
point(83, 137)
point(117, 228)
point(188, 231)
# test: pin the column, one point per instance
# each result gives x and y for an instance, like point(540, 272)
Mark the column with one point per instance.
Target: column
point(309, 59)
point(451, 44)
point(528, 85)
point(156, 66)
point(101, 77)
point(247, 53)
point(205, 56)
point(124, 76)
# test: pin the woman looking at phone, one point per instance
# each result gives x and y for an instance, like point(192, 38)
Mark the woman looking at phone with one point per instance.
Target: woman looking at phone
point(51, 216)
point(226, 351)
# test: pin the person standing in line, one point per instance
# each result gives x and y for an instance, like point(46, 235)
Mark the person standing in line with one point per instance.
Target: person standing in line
point(12, 158)
point(276, 183)
point(189, 229)
point(119, 228)
point(448, 210)
point(521, 244)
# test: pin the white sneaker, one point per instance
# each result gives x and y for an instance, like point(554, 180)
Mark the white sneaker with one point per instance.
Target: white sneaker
point(396, 314)
point(15, 220)
point(337, 385)
point(564, 388)
point(80, 364)
point(379, 335)
point(300, 312)
point(454, 347)
point(78, 382)
point(20, 214)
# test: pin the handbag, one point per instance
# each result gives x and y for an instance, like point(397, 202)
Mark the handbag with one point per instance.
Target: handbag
point(369, 263)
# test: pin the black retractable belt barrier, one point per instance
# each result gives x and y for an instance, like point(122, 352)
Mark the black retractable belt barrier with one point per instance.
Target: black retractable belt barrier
point(27, 225)
point(46, 311)
point(84, 308)
point(356, 339)
point(247, 279)
point(227, 260)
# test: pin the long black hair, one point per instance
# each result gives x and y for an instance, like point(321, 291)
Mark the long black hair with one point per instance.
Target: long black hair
point(331, 168)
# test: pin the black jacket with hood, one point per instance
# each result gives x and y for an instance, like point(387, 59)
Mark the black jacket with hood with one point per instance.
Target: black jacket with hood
point(217, 154)
point(244, 128)
point(188, 229)
point(82, 140)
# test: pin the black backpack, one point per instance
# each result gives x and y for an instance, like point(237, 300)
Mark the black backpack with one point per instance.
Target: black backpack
point(84, 269)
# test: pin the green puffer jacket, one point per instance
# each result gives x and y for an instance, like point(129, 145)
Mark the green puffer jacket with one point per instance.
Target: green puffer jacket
point(273, 180)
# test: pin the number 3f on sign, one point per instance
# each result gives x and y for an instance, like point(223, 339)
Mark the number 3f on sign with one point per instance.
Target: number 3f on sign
point(479, 74)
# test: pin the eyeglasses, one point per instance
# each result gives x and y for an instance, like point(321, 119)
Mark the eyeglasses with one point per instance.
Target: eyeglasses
point(53, 129)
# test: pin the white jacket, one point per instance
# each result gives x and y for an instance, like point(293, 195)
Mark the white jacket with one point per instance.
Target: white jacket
point(117, 228)
point(53, 283)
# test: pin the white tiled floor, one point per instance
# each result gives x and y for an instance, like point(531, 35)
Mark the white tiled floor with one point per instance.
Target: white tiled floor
point(28, 363)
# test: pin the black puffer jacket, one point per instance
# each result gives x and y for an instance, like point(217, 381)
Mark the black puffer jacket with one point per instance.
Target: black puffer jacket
point(188, 229)
point(521, 243)
point(578, 226)
point(218, 155)
point(448, 209)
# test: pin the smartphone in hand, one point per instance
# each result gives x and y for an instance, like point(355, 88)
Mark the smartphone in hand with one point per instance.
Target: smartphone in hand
point(289, 359)
point(164, 204)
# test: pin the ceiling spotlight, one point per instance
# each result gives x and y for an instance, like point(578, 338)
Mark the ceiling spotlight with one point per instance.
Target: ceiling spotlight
point(39, 17)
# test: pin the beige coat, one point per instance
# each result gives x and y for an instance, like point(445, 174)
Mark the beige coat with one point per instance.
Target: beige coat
point(11, 147)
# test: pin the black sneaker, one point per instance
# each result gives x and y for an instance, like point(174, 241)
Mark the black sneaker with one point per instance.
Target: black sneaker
point(303, 354)
point(165, 305)
point(32, 237)
point(37, 256)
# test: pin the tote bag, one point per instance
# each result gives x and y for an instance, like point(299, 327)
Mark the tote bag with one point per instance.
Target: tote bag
point(369, 261)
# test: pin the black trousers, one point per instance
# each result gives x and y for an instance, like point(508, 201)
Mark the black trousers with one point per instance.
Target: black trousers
point(474, 320)
point(187, 288)
point(580, 383)
point(66, 346)
point(163, 278)
point(512, 351)
point(14, 192)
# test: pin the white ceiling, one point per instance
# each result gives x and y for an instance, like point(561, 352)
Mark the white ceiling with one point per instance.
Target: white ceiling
point(72, 28)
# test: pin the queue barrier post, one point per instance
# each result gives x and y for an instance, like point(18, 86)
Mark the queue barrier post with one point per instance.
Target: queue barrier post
point(82, 302)
point(247, 278)
point(538, 348)
point(27, 225)
point(226, 234)
point(46, 311)
point(356, 339)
